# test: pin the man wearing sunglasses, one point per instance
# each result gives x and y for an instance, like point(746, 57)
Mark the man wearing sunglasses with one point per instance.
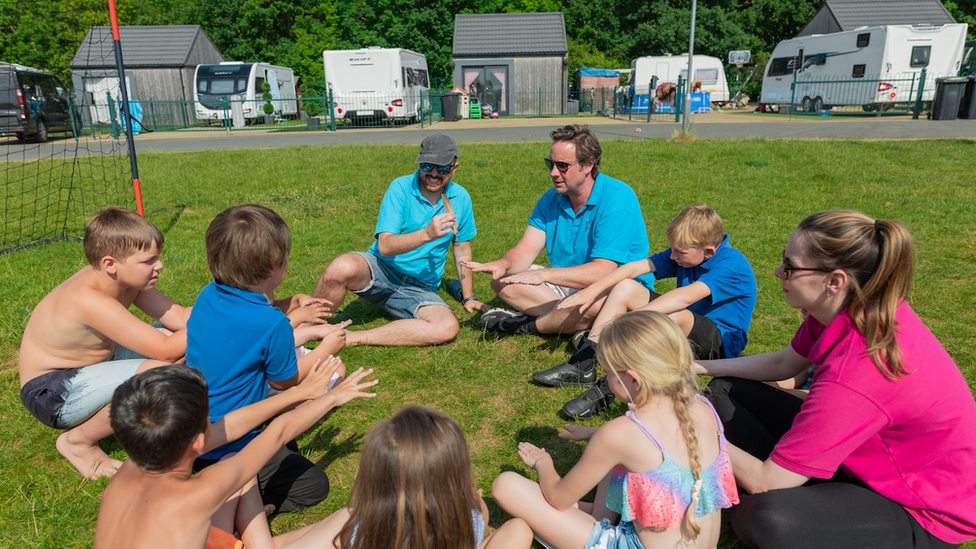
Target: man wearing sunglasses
point(588, 223)
point(403, 268)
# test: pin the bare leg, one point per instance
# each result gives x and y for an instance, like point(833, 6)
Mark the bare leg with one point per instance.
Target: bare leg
point(251, 518)
point(79, 445)
point(626, 296)
point(435, 324)
point(314, 536)
point(523, 499)
point(347, 272)
point(514, 534)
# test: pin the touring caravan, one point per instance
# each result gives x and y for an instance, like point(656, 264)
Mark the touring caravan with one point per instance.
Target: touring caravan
point(667, 68)
point(380, 84)
point(219, 89)
point(873, 67)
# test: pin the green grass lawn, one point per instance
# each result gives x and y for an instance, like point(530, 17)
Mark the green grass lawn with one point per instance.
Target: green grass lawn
point(330, 197)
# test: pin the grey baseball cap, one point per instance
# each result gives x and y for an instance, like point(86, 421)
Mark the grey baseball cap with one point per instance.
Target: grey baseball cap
point(438, 148)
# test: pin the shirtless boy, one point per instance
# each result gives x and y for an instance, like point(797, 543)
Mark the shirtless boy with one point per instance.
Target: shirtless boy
point(154, 501)
point(82, 341)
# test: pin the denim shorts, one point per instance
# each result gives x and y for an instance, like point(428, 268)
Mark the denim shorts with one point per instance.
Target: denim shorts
point(607, 536)
point(401, 295)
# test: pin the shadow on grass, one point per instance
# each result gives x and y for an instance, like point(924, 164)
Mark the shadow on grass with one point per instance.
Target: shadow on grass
point(334, 447)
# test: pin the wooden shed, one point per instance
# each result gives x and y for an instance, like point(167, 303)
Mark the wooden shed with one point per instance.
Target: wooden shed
point(515, 62)
point(160, 62)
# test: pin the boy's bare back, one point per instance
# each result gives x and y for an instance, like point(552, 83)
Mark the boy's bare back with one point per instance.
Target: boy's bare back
point(148, 510)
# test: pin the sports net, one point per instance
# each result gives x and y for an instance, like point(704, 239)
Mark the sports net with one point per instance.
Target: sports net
point(62, 157)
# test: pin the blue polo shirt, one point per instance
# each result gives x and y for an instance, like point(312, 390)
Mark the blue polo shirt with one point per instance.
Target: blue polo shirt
point(405, 210)
point(609, 226)
point(239, 341)
point(732, 284)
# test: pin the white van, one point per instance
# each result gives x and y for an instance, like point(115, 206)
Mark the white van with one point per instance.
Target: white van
point(218, 89)
point(667, 68)
point(874, 67)
point(377, 83)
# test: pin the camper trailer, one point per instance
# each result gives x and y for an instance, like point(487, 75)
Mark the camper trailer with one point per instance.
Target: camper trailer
point(667, 68)
point(379, 84)
point(874, 67)
point(219, 89)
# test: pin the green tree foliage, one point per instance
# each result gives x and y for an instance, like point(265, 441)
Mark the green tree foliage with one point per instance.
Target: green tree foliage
point(46, 33)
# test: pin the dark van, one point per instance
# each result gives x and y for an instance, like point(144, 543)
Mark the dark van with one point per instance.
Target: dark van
point(34, 103)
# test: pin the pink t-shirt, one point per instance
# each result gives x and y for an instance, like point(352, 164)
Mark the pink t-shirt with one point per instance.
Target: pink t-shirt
point(912, 440)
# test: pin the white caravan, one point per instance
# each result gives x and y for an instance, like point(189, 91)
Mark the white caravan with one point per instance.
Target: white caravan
point(666, 68)
point(377, 83)
point(874, 67)
point(219, 89)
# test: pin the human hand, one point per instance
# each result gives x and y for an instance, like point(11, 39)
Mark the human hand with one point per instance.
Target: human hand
point(475, 305)
point(440, 225)
point(496, 269)
point(532, 455)
point(316, 383)
point(311, 311)
point(578, 432)
point(532, 277)
point(351, 387)
point(582, 299)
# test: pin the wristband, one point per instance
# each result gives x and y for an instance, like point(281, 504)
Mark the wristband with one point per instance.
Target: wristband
point(467, 299)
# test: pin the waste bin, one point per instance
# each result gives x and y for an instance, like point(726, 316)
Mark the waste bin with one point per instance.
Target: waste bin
point(948, 97)
point(572, 107)
point(968, 109)
point(449, 107)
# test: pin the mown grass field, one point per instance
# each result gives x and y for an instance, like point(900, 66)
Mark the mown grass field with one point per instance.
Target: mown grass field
point(330, 197)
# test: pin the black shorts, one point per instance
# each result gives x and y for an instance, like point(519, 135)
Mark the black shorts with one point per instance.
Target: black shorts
point(705, 337)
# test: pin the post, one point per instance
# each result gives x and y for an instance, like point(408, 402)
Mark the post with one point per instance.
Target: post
point(152, 112)
point(540, 102)
point(111, 115)
point(648, 100)
point(686, 123)
point(332, 123)
point(680, 98)
point(792, 96)
point(125, 106)
point(918, 102)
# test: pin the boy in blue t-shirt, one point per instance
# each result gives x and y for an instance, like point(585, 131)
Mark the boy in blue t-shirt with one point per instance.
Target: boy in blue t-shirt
point(240, 338)
point(712, 304)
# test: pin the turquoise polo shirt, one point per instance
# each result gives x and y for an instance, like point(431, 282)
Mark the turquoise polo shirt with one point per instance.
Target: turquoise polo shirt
point(405, 210)
point(609, 226)
point(732, 283)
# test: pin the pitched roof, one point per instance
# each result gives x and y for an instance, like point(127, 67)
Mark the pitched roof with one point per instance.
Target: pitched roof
point(142, 46)
point(510, 34)
point(843, 15)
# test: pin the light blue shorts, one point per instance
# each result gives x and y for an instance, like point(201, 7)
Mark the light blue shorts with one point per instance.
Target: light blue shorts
point(401, 295)
point(607, 536)
point(65, 398)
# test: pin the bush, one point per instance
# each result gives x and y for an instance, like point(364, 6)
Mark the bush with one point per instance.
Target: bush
point(268, 108)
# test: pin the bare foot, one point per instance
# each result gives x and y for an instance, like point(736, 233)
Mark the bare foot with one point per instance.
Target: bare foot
point(90, 461)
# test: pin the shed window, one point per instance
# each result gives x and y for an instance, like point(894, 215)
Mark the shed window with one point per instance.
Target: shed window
point(858, 71)
point(920, 56)
point(863, 40)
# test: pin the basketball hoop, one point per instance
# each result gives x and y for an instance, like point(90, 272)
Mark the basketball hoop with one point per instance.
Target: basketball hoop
point(740, 57)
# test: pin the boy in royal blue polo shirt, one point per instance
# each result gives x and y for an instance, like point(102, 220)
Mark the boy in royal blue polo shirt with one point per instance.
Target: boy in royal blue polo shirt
point(712, 304)
point(240, 338)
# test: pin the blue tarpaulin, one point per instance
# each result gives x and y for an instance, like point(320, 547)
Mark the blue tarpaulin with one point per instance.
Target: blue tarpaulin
point(597, 72)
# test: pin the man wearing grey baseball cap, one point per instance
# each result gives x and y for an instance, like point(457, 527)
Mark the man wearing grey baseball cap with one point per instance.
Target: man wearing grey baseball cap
point(422, 215)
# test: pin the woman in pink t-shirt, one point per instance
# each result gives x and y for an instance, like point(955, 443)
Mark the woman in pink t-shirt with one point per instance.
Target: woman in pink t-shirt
point(882, 452)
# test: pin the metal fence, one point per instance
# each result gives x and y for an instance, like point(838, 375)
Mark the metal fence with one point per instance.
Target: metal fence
point(912, 94)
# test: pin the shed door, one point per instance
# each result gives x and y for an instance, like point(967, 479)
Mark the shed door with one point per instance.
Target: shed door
point(490, 85)
point(98, 88)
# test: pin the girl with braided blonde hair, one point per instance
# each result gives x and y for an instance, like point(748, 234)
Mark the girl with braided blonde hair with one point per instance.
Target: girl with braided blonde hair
point(662, 472)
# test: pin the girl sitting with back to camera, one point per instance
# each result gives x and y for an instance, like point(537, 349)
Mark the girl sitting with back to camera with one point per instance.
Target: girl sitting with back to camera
point(662, 471)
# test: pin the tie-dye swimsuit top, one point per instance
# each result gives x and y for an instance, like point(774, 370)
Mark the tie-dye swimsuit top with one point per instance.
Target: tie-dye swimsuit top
point(659, 497)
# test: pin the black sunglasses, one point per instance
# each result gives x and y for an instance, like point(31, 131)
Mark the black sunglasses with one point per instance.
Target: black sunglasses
point(561, 166)
point(443, 170)
point(787, 271)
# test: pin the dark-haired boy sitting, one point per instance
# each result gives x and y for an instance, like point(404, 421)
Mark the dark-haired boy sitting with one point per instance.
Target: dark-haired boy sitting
point(242, 341)
point(82, 341)
point(161, 419)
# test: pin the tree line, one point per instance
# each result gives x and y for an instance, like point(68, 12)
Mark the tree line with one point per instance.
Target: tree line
point(293, 33)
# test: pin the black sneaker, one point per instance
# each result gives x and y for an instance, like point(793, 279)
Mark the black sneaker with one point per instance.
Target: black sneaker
point(590, 403)
point(504, 320)
point(567, 374)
